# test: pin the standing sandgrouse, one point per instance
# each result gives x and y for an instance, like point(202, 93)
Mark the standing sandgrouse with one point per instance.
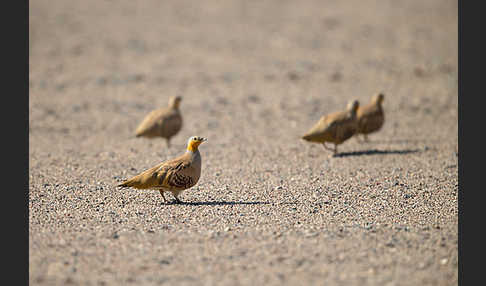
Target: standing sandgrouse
point(163, 122)
point(335, 127)
point(371, 116)
point(174, 175)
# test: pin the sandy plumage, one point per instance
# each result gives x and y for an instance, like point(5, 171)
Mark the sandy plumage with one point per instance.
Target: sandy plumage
point(335, 127)
point(163, 122)
point(174, 175)
point(371, 117)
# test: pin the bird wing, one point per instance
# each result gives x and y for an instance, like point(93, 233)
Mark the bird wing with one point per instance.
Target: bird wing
point(167, 175)
point(330, 122)
point(152, 121)
point(172, 175)
point(171, 122)
point(321, 128)
point(367, 110)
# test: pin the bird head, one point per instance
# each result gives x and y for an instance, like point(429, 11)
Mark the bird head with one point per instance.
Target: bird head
point(353, 106)
point(174, 101)
point(194, 142)
point(378, 98)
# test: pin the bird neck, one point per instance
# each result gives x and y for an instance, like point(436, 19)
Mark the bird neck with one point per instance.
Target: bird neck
point(191, 149)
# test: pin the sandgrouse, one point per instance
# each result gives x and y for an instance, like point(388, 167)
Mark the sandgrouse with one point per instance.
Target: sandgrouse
point(174, 175)
point(164, 122)
point(371, 116)
point(335, 127)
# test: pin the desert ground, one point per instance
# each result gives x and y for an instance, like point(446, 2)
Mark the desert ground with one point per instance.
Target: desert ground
point(269, 208)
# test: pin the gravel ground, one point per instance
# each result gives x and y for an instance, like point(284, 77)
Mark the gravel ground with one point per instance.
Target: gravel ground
point(270, 208)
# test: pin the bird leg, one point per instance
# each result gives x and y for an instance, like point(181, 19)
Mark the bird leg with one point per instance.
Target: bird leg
point(168, 143)
point(162, 193)
point(335, 149)
point(177, 201)
point(366, 138)
point(325, 146)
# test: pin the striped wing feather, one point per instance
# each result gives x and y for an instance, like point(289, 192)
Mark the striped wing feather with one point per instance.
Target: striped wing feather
point(167, 175)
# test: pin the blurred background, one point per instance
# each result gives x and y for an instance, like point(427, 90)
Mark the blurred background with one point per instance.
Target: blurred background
point(307, 57)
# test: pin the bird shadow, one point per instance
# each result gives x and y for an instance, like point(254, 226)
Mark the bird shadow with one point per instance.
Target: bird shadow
point(217, 203)
point(376, 152)
point(396, 141)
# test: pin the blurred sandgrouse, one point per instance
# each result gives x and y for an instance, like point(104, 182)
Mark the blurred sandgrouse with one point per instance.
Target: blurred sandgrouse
point(335, 127)
point(164, 122)
point(371, 116)
point(174, 175)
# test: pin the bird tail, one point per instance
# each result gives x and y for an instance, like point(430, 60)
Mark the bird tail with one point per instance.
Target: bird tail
point(126, 184)
point(306, 137)
point(309, 136)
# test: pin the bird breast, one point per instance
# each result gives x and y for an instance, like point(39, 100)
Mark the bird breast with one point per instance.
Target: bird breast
point(195, 170)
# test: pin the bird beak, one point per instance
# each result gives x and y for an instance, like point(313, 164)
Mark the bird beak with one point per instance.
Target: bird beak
point(204, 140)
